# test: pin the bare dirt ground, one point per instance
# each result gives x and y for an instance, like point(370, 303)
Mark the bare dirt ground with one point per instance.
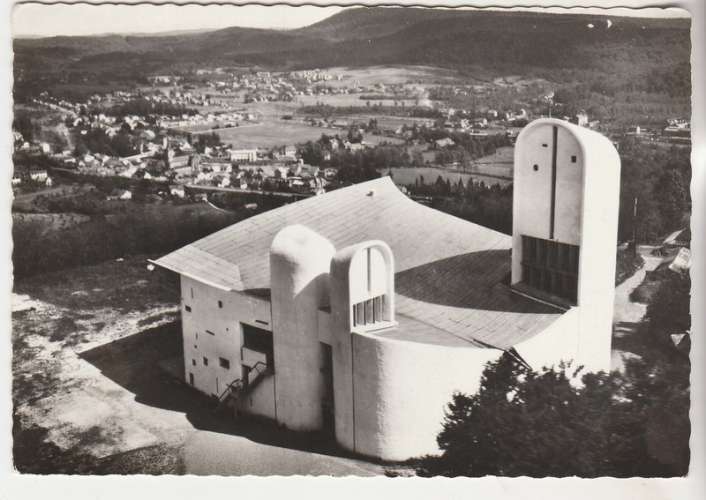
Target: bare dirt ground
point(60, 316)
point(89, 395)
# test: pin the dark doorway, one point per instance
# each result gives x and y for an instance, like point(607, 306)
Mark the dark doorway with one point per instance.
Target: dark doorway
point(259, 340)
point(327, 407)
point(191, 379)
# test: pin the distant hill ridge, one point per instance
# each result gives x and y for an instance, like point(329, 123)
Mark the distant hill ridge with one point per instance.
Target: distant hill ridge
point(494, 40)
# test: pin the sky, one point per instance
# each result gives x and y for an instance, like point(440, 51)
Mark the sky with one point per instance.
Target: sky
point(34, 19)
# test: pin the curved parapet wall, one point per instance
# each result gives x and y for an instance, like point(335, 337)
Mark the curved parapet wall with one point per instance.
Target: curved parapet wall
point(401, 390)
point(299, 269)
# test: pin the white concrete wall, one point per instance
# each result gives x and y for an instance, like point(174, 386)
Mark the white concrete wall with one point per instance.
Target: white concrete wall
point(348, 285)
point(260, 401)
point(569, 189)
point(587, 206)
point(532, 189)
point(225, 324)
point(299, 268)
point(599, 237)
point(557, 343)
point(401, 390)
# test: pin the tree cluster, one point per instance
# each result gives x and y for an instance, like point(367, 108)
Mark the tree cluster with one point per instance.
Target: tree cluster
point(659, 178)
point(668, 311)
point(327, 111)
point(537, 424)
point(97, 141)
point(477, 202)
point(109, 236)
point(23, 123)
point(145, 107)
point(202, 141)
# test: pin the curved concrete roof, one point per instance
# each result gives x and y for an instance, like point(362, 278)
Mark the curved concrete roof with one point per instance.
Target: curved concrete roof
point(450, 274)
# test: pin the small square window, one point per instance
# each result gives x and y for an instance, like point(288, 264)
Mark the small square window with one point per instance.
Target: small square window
point(195, 346)
point(224, 363)
point(187, 308)
point(220, 304)
point(193, 362)
point(573, 158)
point(205, 361)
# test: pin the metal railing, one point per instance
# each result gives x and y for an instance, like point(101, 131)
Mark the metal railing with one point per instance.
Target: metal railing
point(239, 387)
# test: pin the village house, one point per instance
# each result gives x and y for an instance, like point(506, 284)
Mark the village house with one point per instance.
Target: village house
point(444, 143)
point(38, 174)
point(360, 312)
point(177, 191)
point(581, 119)
point(243, 155)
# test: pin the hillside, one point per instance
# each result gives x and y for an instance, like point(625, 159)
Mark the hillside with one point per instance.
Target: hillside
point(560, 47)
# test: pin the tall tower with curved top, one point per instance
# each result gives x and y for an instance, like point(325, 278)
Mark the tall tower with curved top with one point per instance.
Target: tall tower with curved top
point(565, 224)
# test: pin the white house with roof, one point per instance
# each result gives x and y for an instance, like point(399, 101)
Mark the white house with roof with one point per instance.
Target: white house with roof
point(360, 312)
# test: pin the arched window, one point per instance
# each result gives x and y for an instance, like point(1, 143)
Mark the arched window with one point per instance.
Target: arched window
point(372, 287)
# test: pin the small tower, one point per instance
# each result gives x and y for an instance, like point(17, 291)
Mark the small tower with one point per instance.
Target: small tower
point(299, 272)
point(362, 301)
point(565, 224)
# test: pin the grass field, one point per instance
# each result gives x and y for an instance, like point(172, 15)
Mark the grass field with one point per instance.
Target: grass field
point(271, 133)
point(405, 176)
point(499, 163)
point(394, 75)
point(344, 100)
point(390, 122)
point(280, 133)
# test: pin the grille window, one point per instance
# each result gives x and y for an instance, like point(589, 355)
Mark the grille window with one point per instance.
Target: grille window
point(369, 311)
point(550, 267)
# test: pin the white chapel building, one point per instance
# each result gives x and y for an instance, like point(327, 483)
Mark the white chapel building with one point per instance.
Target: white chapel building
point(360, 312)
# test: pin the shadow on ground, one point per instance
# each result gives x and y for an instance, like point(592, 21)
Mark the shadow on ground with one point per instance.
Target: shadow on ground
point(134, 363)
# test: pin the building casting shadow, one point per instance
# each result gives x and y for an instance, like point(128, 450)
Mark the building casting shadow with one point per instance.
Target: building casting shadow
point(134, 363)
point(475, 280)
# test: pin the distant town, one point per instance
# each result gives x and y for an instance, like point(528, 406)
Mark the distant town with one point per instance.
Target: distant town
point(182, 131)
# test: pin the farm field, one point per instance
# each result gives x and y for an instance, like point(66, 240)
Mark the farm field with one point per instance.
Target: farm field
point(491, 169)
point(392, 75)
point(270, 134)
point(390, 122)
point(405, 176)
point(344, 100)
point(499, 163)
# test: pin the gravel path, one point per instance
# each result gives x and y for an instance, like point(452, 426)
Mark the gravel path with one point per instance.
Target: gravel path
point(627, 314)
